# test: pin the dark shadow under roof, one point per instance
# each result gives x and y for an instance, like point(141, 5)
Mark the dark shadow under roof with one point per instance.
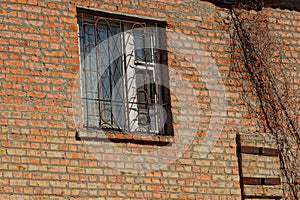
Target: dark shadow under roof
point(283, 4)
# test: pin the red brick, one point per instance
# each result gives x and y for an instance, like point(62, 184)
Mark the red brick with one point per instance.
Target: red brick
point(40, 67)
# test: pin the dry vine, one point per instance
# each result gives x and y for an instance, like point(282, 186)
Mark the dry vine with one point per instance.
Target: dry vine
point(257, 56)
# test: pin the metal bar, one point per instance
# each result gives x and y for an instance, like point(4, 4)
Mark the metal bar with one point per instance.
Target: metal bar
point(158, 86)
point(97, 78)
point(119, 20)
point(84, 68)
point(125, 87)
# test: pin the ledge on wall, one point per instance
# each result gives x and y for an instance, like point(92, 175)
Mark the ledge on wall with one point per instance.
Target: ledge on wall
point(141, 139)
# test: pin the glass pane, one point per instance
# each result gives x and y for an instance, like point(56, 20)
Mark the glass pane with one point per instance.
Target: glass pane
point(139, 44)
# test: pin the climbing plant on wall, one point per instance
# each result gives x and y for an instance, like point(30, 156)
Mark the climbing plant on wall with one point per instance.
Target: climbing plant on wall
point(258, 57)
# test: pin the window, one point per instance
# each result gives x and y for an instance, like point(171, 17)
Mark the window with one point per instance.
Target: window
point(122, 77)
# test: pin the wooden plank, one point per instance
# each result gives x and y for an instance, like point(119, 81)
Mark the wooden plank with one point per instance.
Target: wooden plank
point(258, 151)
point(251, 181)
point(269, 152)
point(262, 197)
point(261, 181)
point(249, 150)
point(272, 181)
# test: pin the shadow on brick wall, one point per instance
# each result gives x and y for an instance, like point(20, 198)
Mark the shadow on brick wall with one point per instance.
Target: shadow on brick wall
point(288, 5)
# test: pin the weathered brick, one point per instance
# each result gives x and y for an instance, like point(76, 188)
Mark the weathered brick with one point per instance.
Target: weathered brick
point(40, 66)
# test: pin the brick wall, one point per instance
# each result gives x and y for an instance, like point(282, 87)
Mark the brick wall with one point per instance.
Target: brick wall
point(40, 157)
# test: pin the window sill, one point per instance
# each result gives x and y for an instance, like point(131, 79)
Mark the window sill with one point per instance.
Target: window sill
point(116, 137)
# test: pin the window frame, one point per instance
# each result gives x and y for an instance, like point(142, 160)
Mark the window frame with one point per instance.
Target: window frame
point(92, 16)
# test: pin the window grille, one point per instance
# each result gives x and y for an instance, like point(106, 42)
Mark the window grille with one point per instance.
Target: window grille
point(121, 74)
